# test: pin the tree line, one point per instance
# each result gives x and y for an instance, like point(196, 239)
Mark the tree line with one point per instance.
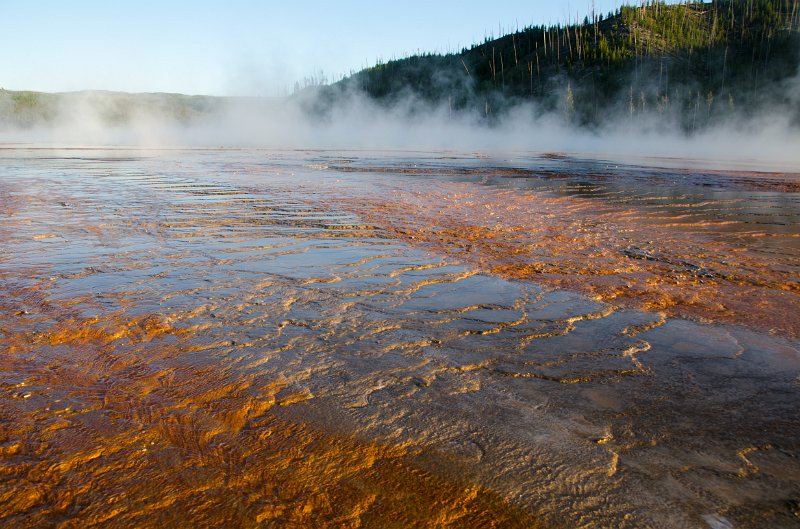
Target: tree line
point(693, 62)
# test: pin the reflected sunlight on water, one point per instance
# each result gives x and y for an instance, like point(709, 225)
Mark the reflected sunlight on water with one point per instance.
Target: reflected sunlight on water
point(280, 339)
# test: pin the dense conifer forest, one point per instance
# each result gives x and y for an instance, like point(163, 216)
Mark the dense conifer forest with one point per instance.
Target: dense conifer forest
point(691, 62)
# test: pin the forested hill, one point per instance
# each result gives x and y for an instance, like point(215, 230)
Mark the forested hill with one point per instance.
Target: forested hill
point(692, 62)
point(28, 109)
point(688, 65)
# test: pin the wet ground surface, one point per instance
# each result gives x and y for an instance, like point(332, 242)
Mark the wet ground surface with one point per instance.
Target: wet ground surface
point(360, 339)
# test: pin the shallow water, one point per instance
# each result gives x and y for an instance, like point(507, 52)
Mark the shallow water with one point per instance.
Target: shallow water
point(394, 339)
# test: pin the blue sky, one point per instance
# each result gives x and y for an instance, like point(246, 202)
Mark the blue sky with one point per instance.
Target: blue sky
point(239, 47)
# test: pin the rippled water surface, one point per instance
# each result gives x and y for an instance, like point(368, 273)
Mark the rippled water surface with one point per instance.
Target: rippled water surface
point(365, 339)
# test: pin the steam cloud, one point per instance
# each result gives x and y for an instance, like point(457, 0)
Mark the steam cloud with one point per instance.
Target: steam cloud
point(355, 121)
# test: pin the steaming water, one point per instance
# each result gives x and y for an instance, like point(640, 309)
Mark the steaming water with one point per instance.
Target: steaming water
point(259, 338)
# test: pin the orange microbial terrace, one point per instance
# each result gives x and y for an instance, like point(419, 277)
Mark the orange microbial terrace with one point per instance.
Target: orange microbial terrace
point(716, 258)
point(250, 338)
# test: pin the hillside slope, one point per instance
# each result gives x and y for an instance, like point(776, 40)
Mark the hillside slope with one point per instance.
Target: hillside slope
point(688, 66)
point(28, 108)
point(690, 63)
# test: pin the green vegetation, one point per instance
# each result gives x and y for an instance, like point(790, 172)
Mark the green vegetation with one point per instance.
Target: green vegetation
point(28, 109)
point(690, 63)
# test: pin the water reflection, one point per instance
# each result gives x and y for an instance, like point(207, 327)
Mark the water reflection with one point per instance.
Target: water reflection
point(258, 338)
point(718, 246)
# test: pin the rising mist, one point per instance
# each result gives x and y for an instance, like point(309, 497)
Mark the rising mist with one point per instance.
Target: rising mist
point(356, 121)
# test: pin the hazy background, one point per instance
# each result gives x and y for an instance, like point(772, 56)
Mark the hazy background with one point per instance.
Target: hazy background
point(769, 141)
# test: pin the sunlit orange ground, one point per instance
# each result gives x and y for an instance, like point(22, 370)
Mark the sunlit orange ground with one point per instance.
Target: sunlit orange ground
point(631, 256)
point(128, 435)
point(164, 412)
